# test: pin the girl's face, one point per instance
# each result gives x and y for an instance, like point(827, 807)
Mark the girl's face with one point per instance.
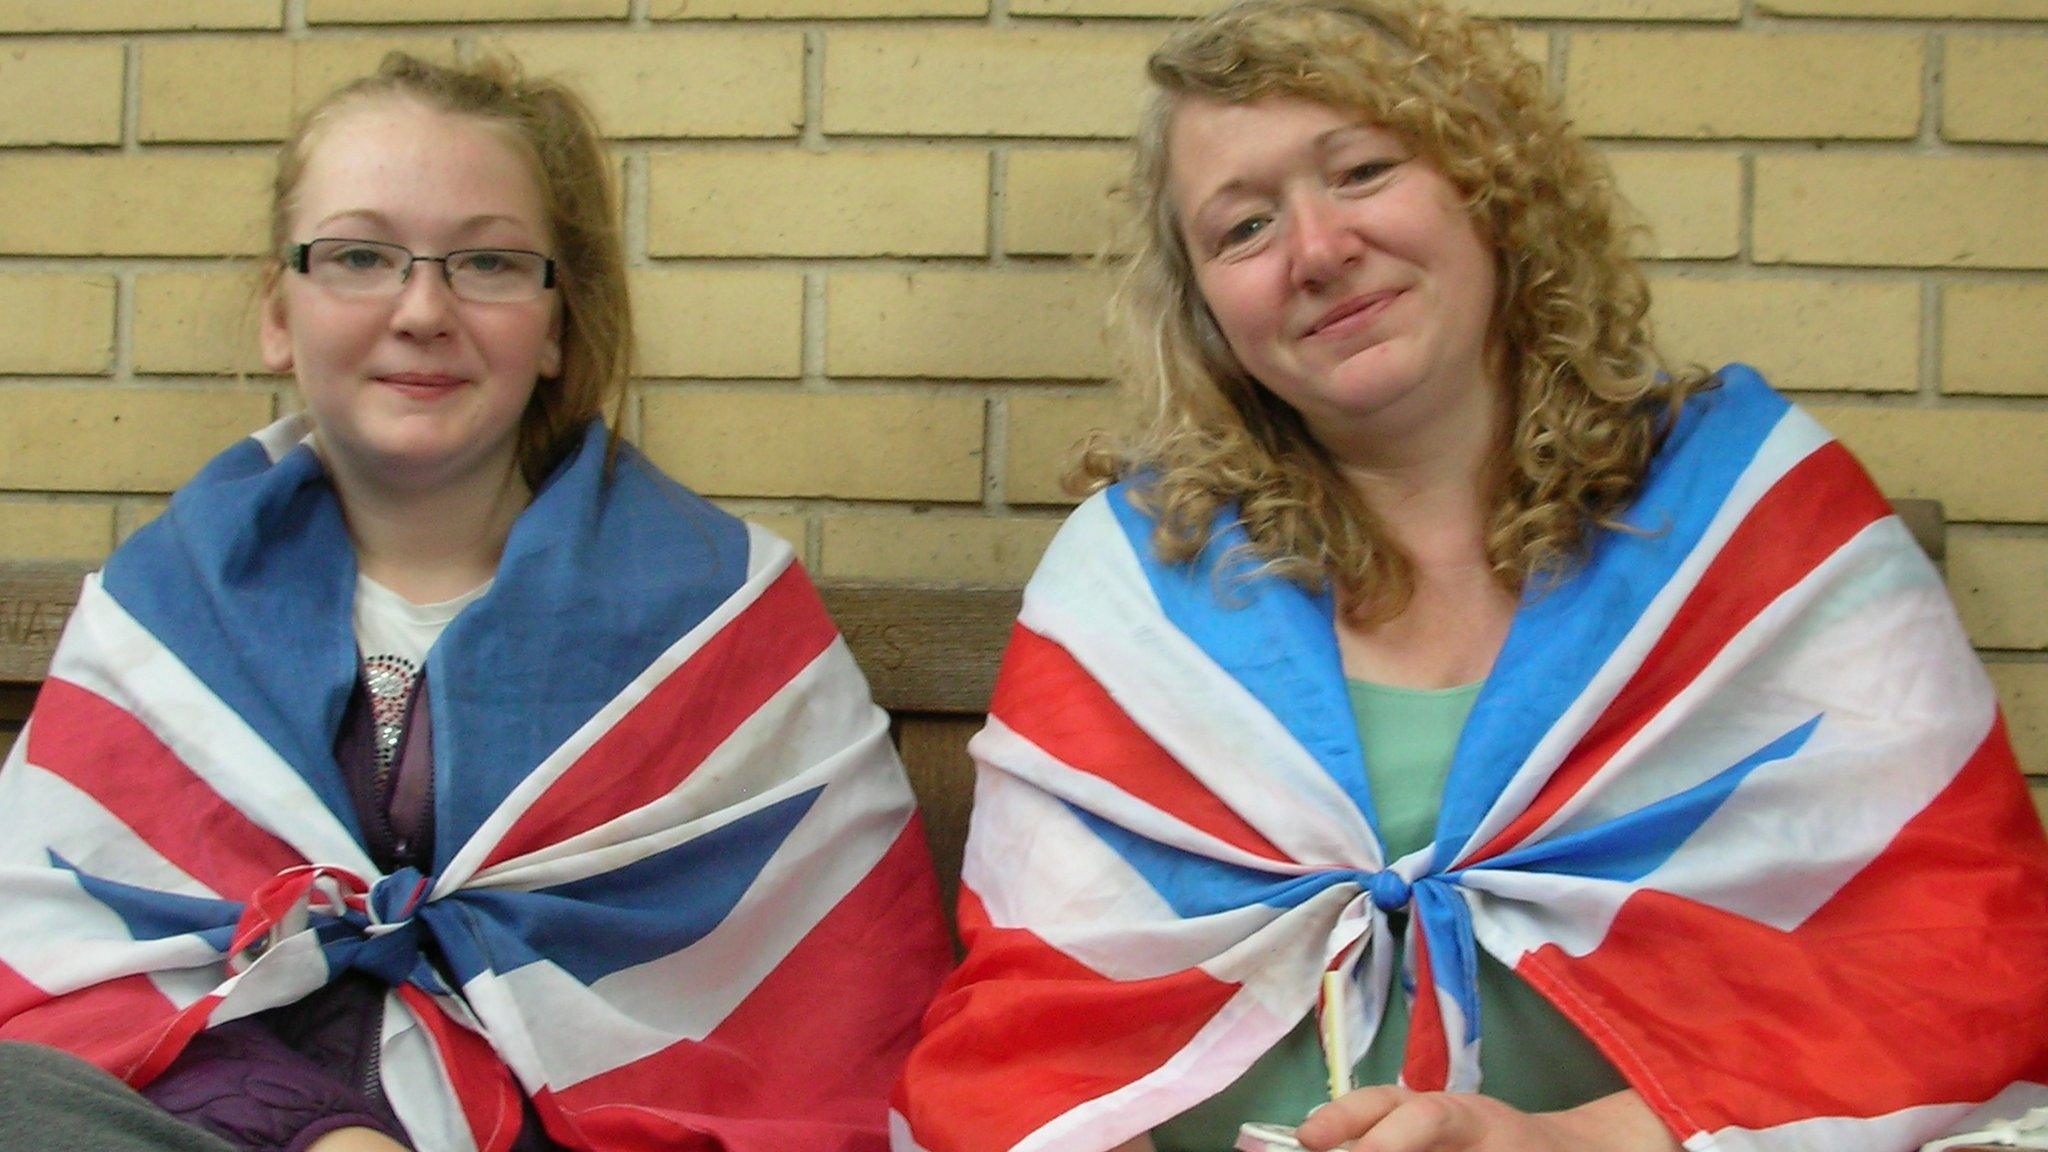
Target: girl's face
point(417, 390)
point(1342, 269)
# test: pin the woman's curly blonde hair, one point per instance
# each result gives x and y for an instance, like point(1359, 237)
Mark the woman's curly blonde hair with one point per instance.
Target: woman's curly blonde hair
point(1590, 394)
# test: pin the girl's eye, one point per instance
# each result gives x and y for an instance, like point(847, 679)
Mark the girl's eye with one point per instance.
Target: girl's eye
point(361, 259)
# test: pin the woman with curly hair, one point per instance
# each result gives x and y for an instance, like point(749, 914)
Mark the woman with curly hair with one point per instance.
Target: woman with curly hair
point(1439, 665)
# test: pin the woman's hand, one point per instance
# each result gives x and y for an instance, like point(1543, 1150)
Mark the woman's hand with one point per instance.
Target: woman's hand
point(1391, 1119)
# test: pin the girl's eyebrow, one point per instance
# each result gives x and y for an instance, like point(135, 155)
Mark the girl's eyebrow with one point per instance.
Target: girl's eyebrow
point(378, 219)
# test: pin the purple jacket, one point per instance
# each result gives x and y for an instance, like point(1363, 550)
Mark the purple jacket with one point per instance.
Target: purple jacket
point(278, 1081)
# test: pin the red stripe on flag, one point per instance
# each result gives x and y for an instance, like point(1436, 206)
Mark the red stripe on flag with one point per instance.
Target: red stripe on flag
point(686, 716)
point(807, 1059)
point(483, 1086)
point(1810, 513)
point(1046, 696)
point(1426, 1064)
point(114, 1024)
point(109, 755)
point(1922, 981)
point(18, 994)
point(1024, 1033)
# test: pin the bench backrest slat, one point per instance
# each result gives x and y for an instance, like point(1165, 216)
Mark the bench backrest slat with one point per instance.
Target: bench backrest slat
point(930, 655)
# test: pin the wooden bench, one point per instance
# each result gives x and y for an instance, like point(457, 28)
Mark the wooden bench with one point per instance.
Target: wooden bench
point(930, 655)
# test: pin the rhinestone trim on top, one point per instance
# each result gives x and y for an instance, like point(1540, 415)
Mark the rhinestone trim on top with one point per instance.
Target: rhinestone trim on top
point(390, 680)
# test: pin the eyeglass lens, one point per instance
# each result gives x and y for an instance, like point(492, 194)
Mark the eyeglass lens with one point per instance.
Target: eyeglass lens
point(372, 268)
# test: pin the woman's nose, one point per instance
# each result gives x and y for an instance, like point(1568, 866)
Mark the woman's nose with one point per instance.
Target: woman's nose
point(1322, 242)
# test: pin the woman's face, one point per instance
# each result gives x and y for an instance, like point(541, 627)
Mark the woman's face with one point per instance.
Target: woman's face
point(1343, 271)
point(418, 390)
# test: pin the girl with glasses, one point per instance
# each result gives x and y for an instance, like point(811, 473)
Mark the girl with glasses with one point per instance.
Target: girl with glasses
point(435, 773)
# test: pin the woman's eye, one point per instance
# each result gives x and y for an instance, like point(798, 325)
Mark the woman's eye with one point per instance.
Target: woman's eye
point(1242, 232)
point(488, 263)
point(1367, 172)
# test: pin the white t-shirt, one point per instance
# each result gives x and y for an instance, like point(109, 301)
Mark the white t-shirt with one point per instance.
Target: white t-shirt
point(393, 635)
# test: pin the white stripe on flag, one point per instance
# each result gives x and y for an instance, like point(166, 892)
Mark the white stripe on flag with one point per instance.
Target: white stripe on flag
point(107, 652)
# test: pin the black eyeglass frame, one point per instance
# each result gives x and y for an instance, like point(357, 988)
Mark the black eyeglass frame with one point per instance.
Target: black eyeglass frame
point(302, 257)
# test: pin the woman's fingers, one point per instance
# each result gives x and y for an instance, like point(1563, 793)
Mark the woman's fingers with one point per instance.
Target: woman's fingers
point(1427, 1122)
point(1389, 1119)
point(1349, 1116)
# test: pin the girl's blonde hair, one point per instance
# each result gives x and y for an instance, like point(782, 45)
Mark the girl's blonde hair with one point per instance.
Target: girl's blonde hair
point(554, 130)
point(1589, 394)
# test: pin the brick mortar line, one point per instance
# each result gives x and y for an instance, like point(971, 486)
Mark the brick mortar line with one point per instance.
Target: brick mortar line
point(223, 383)
point(24, 498)
point(1918, 402)
point(636, 420)
point(1749, 18)
point(926, 387)
point(811, 358)
point(372, 28)
point(129, 515)
point(908, 510)
point(1026, 265)
point(811, 135)
point(131, 99)
point(123, 367)
point(877, 509)
point(1919, 144)
point(1745, 208)
point(1914, 145)
point(1057, 142)
point(1768, 22)
point(813, 543)
point(1898, 269)
point(87, 265)
point(998, 172)
point(1691, 268)
point(633, 207)
point(1808, 145)
point(1930, 340)
point(995, 452)
point(2028, 531)
point(1933, 66)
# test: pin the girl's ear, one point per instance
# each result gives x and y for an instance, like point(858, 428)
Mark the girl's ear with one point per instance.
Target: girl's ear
point(551, 352)
point(275, 335)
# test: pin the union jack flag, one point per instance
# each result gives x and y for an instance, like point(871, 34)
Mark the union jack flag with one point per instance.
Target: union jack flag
point(1735, 798)
point(680, 898)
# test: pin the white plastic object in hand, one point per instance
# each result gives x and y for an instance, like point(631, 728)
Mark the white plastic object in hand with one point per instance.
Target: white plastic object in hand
point(2028, 1131)
point(1266, 1138)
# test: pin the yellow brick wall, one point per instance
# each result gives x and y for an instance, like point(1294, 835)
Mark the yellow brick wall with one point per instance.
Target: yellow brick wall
point(858, 231)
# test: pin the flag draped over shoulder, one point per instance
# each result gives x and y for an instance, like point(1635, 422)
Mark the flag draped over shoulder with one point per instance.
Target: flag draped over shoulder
point(680, 897)
point(1736, 798)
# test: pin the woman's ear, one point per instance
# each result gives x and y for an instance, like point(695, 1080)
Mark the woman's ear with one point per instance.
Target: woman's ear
point(274, 336)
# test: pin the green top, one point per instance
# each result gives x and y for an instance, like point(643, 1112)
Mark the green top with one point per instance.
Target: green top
point(1532, 1057)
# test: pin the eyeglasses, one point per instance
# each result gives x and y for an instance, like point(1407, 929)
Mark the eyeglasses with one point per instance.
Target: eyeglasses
point(372, 269)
